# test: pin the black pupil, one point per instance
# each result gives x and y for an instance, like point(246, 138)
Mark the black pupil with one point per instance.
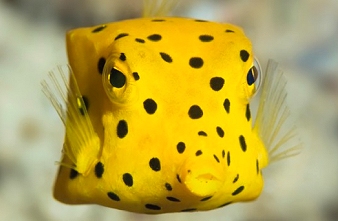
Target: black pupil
point(252, 75)
point(117, 78)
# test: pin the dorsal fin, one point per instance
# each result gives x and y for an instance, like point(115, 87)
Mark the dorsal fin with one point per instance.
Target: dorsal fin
point(155, 8)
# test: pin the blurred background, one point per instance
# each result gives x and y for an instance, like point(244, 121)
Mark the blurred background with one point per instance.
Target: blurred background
point(302, 35)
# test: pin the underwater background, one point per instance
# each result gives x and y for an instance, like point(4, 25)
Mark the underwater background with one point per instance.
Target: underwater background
point(302, 35)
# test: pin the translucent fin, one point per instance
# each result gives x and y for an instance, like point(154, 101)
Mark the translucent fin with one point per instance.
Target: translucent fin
point(82, 145)
point(273, 122)
point(154, 8)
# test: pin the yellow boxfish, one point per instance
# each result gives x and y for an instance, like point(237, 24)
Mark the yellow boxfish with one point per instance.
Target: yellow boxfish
point(158, 117)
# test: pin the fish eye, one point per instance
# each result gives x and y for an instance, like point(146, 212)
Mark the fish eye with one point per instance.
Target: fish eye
point(115, 81)
point(254, 76)
point(116, 78)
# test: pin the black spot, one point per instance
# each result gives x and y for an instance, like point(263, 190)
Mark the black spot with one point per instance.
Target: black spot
point(216, 83)
point(202, 133)
point(196, 62)
point(226, 105)
point(173, 199)
point(157, 20)
point(236, 179)
point(225, 204)
point(122, 129)
point(136, 76)
point(195, 112)
point(128, 179)
point(123, 57)
point(188, 210)
point(121, 36)
point(166, 57)
point(100, 64)
point(206, 198)
point(178, 178)
point(73, 174)
point(150, 106)
point(139, 40)
point(154, 37)
point(86, 105)
point(228, 158)
point(247, 112)
point(113, 196)
point(180, 147)
point(216, 158)
point(117, 78)
point(257, 166)
point(200, 20)
point(238, 191)
point(244, 55)
point(242, 143)
point(229, 31)
point(206, 38)
point(155, 164)
point(220, 131)
point(100, 28)
point(152, 207)
point(199, 152)
point(168, 186)
point(99, 169)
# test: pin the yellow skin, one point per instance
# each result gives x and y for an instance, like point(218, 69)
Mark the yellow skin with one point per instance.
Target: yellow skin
point(159, 158)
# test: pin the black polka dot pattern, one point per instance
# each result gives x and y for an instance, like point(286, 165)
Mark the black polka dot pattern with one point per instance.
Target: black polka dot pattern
point(152, 207)
point(136, 76)
point(99, 169)
point(223, 153)
point(226, 105)
point(195, 112)
point(198, 153)
point(128, 179)
point(121, 36)
point(216, 83)
point(228, 158)
point(225, 204)
point(178, 178)
point(157, 20)
point(168, 187)
point(188, 210)
point(122, 129)
point(248, 113)
point(257, 166)
point(244, 55)
point(86, 105)
point(180, 147)
point(236, 179)
point(154, 37)
point(206, 198)
point(200, 20)
point(196, 62)
point(100, 28)
point(220, 131)
point(150, 106)
point(238, 191)
point(242, 143)
point(73, 174)
point(123, 57)
point(139, 40)
point(166, 57)
point(216, 158)
point(206, 38)
point(113, 196)
point(229, 31)
point(155, 164)
point(202, 133)
point(100, 65)
point(173, 199)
